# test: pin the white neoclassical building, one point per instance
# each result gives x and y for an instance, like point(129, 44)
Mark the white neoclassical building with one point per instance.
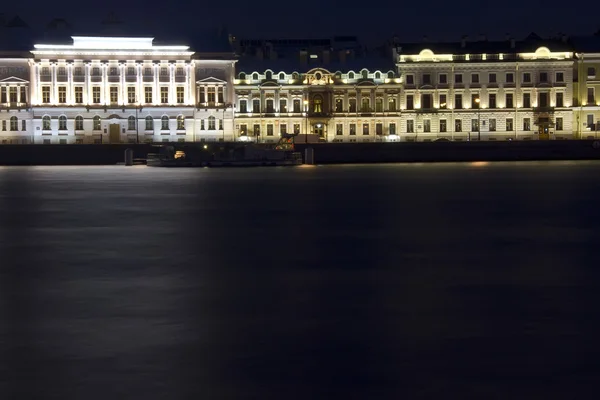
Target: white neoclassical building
point(15, 113)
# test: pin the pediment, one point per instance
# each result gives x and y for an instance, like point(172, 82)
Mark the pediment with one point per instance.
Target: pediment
point(272, 84)
point(13, 79)
point(211, 79)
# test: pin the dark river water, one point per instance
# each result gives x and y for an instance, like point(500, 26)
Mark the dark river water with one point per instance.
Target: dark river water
point(353, 282)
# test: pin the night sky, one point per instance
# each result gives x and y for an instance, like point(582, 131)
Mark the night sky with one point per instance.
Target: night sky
point(439, 20)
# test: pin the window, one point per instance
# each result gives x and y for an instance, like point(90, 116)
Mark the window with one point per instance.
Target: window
point(339, 105)
point(527, 100)
point(527, 77)
point(560, 99)
point(220, 124)
point(3, 124)
point(509, 100)
point(443, 78)
point(45, 71)
point(179, 71)
point(560, 77)
point(96, 123)
point(46, 123)
point(13, 95)
point(79, 123)
point(410, 126)
point(390, 75)
point(23, 94)
point(243, 130)
point(365, 75)
point(492, 125)
point(45, 94)
point(202, 127)
point(543, 77)
point(130, 70)
point(3, 95)
point(426, 79)
point(268, 75)
point(23, 125)
point(559, 124)
point(410, 103)
point(350, 75)
point(220, 95)
point(14, 124)
point(410, 79)
point(148, 95)
point(112, 71)
point(131, 94)
point(210, 93)
point(492, 78)
point(269, 106)
point(474, 78)
point(78, 95)
point(443, 102)
point(364, 104)
point(202, 96)
point(590, 121)
point(443, 127)
point(492, 100)
point(296, 129)
point(256, 106)
point(96, 71)
point(78, 71)
point(543, 99)
point(526, 124)
point(352, 105)
point(281, 76)
point(149, 123)
point(377, 75)
point(379, 104)
point(164, 123)
point(427, 101)
point(114, 94)
point(352, 129)
point(180, 123)
point(510, 77)
point(296, 105)
point(256, 130)
point(379, 128)
point(282, 105)
point(62, 94)
point(164, 71)
point(164, 95)
point(458, 78)
point(475, 100)
point(392, 128)
point(458, 101)
point(457, 125)
point(96, 95)
point(62, 71)
point(591, 72)
point(474, 125)
point(211, 123)
point(391, 104)
point(509, 124)
point(365, 129)
point(62, 123)
point(591, 99)
point(427, 125)
point(283, 129)
point(339, 129)
point(243, 106)
point(131, 123)
point(269, 129)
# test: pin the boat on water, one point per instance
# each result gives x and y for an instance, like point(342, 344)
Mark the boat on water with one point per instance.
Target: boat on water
point(226, 155)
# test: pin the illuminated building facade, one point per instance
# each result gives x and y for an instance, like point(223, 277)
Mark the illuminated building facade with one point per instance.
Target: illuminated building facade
point(15, 112)
point(586, 107)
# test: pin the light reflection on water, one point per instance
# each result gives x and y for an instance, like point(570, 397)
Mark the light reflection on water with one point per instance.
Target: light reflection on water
point(369, 281)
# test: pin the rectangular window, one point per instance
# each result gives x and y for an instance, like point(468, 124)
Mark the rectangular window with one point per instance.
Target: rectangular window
point(591, 72)
point(527, 77)
point(457, 125)
point(269, 129)
point(510, 77)
point(379, 104)
point(526, 124)
point(130, 71)
point(352, 129)
point(475, 100)
point(96, 95)
point(458, 78)
point(543, 77)
point(96, 71)
point(509, 124)
point(114, 95)
point(410, 79)
point(543, 99)
point(147, 71)
point(78, 71)
point(352, 105)
point(339, 129)
point(443, 127)
point(12, 95)
point(589, 122)
point(591, 98)
point(458, 101)
point(443, 101)
point(269, 106)
point(379, 128)
point(527, 100)
point(492, 100)
point(131, 94)
point(410, 126)
point(339, 105)
point(492, 124)
point(282, 105)
point(62, 71)
point(474, 125)
point(220, 124)
point(180, 92)
point(243, 130)
point(426, 79)
point(179, 71)
point(148, 95)
point(509, 100)
point(164, 71)
point(559, 124)
point(23, 94)
point(3, 124)
point(474, 78)
point(202, 127)
point(220, 95)
point(243, 106)
point(283, 129)
point(392, 104)
point(3, 95)
point(296, 105)
point(78, 124)
point(164, 95)
point(365, 129)
point(23, 125)
point(256, 106)
point(559, 99)
point(45, 71)
point(78, 95)
point(392, 128)
point(113, 71)
point(410, 102)
point(256, 130)
point(62, 94)
point(427, 126)
point(211, 95)
point(427, 101)
point(492, 78)
point(202, 96)
point(45, 94)
point(443, 78)
point(560, 77)
point(296, 129)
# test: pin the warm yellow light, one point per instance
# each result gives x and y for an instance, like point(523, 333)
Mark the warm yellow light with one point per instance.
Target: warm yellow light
point(345, 80)
point(305, 81)
point(236, 81)
point(291, 81)
point(477, 100)
point(584, 103)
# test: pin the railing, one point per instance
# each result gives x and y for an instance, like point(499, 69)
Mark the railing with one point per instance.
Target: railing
point(546, 109)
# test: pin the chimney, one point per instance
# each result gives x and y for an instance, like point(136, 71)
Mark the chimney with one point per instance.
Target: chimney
point(463, 41)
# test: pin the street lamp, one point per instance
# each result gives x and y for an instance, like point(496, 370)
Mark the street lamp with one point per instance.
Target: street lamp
point(478, 101)
point(305, 121)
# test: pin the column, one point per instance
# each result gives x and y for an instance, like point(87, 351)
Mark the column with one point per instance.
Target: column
point(104, 99)
point(123, 90)
point(70, 90)
point(155, 90)
point(86, 84)
point(139, 95)
point(172, 94)
point(54, 86)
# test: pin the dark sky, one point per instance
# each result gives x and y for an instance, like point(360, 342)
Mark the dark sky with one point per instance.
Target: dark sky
point(439, 20)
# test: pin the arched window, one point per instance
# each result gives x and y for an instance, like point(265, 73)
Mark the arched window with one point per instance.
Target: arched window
point(390, 75)
point(62, 123)
point(211, 123)
point(164, 123)
point(97, 123)
point(255, 76)
point(268, 75)
point(180, 123)
point(295, 75)
point(131, 123)
point(79, 123)
point(364, 104)
point(14, 124)
point(242, 75)
point(317, 104)
point(281, 76)
point(377, 75)
point(149, 123)
point(46, 123)
point(365, 74)
point(350, 75)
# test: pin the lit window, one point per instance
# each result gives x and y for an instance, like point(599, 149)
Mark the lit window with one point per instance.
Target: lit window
point(180, 94)
point(180, 123)
point(96, 123)
point(131, 123)
point(62, 123)
point(62, 94)
point(164, 95)
point(164, 123)
point(79, 123)
point(211, 123)
point(46, 123)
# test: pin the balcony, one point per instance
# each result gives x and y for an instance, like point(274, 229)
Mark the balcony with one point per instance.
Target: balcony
point(164, 78)
point(130, 78)
point(95, 78)
point(148, 78)
point(545, 109)
point(45, 78)
point(114, 78)
point(61, 78)
point(426, 110)
point(78, 78)
point(180, 78)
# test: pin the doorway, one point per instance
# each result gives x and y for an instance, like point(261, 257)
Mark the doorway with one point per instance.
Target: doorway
point(114, 133)
point(319, 129)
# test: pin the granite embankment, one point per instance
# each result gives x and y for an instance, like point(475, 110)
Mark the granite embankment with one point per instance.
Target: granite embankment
point(325, 153)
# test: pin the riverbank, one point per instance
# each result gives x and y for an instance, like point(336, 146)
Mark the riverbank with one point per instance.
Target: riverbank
point(324, 153)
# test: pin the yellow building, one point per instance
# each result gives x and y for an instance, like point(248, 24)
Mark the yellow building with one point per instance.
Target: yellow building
point(586, 88)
